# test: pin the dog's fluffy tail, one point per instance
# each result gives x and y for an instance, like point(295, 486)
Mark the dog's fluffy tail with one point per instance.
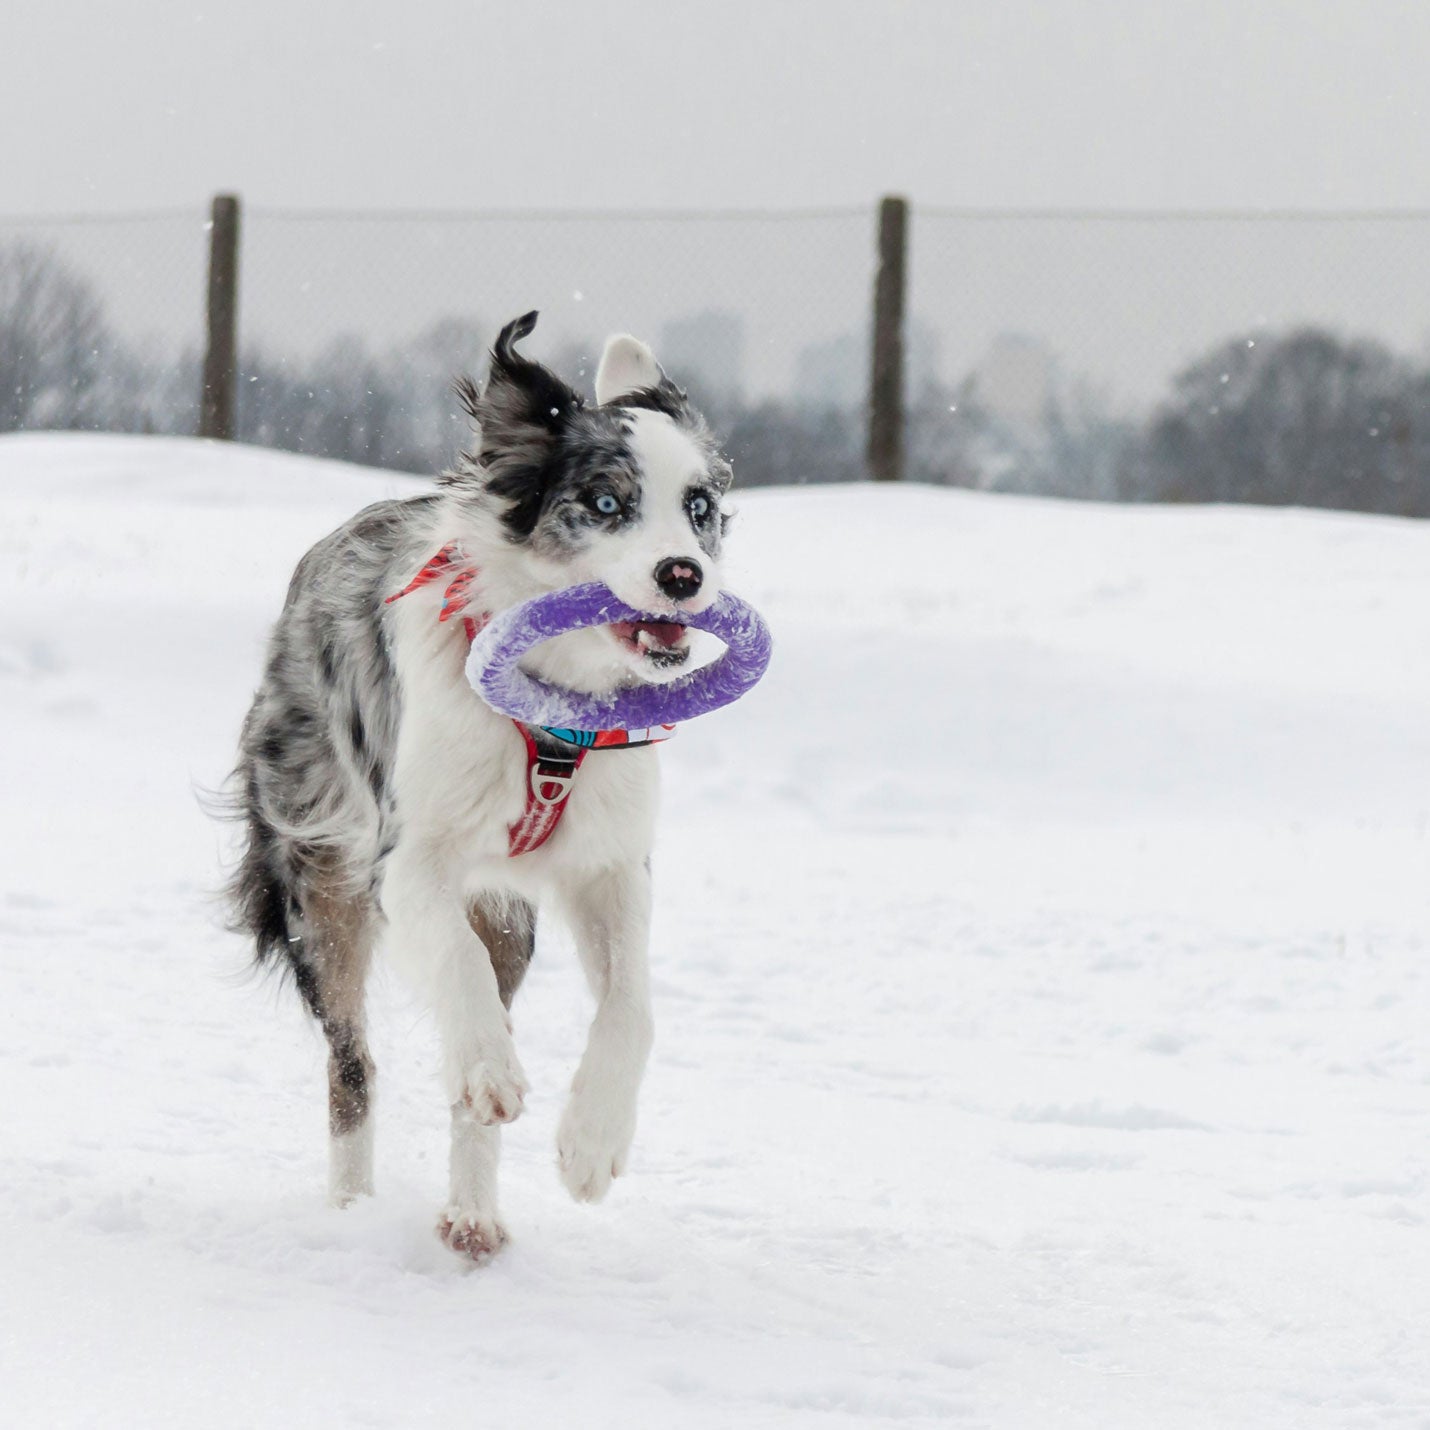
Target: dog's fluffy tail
point(263, 892)
point(258, 892)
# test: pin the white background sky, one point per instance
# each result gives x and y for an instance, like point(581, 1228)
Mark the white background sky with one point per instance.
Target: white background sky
point(659, 104)
point(728, 102)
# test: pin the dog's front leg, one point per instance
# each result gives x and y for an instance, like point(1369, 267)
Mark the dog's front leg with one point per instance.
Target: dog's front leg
point(432, 942)
point(610, 917)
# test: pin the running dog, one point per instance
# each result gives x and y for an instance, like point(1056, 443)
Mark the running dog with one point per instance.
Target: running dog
point(385, 804)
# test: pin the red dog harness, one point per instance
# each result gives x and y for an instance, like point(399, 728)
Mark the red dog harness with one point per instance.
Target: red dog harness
point(552, 756)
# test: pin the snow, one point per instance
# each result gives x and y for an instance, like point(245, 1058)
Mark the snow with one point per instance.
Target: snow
point(1040, 981)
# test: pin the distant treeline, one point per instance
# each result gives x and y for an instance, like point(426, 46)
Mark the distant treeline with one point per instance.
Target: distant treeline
point(1304, 417)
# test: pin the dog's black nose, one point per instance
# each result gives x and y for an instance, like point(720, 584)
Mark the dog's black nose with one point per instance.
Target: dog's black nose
point(679, 577)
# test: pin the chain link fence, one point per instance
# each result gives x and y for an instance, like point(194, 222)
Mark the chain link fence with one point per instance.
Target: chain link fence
point(383, 312)
point(1277, 358)
point(100, 322)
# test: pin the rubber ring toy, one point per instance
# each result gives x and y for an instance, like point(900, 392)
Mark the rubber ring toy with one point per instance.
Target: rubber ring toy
point(494, 672)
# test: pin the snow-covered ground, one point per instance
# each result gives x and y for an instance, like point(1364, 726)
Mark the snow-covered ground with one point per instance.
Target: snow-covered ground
point(1041, 988)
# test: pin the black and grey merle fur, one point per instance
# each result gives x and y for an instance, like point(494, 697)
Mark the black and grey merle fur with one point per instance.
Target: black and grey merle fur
point(317, 781)
point(544, 450)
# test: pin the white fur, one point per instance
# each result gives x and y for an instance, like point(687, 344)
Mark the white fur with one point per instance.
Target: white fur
point(671, 462)
point(611, 916)
point(350, 1163)
point(627, 365)
point(459, 781)
point(625, 561)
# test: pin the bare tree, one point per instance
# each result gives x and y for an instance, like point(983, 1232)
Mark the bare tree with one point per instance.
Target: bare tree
point(59, 363)
point(1304, 418)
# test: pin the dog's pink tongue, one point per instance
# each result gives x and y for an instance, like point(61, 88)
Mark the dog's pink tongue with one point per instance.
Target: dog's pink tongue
point(666, 632)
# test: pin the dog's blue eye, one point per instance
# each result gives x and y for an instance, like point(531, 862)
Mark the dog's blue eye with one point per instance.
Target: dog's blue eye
point(606, 504)
point(699, 506)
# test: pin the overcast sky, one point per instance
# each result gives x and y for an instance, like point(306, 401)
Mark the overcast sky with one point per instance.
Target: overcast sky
point(652, 103)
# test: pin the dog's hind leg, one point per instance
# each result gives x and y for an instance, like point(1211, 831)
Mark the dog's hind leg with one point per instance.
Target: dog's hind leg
point(471, 1223)
point(337, 942)
point(507, 929)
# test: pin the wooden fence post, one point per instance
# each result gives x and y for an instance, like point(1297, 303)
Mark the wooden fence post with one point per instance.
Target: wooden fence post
point(221, 356)
point(886, 370)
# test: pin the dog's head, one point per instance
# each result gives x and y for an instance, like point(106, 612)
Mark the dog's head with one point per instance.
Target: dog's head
point(627, 492)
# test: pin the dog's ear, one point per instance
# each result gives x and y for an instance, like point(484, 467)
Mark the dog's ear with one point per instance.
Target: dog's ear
point(520, 412)
point(629, 376)
point(627, 366)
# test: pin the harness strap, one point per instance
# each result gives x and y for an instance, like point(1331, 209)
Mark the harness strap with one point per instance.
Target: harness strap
point(551, 766)
point(457, 595)
point(552, 756)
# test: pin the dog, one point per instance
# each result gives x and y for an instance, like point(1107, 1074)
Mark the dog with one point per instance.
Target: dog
point(385, 805)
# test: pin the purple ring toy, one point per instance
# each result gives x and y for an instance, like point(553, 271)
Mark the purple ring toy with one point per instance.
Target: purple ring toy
point(494, 672)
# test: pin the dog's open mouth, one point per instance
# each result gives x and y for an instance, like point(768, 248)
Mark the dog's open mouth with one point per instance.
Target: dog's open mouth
point(663, 643)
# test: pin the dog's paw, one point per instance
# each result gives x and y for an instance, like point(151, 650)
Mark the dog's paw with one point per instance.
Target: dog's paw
point(593, 1144)
point(471, 1234)
point(341, 1197)
point(495, 1087)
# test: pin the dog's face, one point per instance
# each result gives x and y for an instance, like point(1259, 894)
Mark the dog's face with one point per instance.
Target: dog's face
point(627, 492)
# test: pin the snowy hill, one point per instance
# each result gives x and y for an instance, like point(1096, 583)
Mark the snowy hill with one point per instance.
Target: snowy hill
point(1041, 993)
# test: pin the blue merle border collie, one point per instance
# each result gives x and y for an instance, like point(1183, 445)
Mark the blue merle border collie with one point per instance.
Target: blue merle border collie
point(379, 792)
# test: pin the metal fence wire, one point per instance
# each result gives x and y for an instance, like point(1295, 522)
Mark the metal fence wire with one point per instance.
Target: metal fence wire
point(1261, 357)
point(100, 322)
point(1248, 356)
point(387, 310)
